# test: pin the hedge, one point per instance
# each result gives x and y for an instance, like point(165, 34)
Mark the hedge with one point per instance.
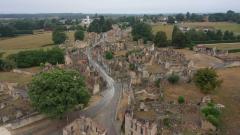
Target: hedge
point(234, 51)
point(33, 58)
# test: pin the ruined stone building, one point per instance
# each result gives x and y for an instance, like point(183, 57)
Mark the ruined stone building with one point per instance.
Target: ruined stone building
point(137, 127)
point(84, 126)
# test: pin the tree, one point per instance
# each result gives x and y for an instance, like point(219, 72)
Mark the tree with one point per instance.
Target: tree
point(179, 39)
point(100, 25)
point(79, 35)
point(173, 78)
point(59, 37)
point(180, 17)
point(142, 31)
point(171, 20)
point(207, 80)
point(181, 99)
point(7, 31)
point(188, 15)
point(57, 92)
point(160, 40)
point(219, 35)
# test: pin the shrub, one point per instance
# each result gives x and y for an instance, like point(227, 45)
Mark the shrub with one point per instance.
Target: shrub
point(181, 99)
point(6, 65)
point(174, 78)
point(207, 80)
point(213, 120)
point(132, 66)
point(108, 55)
point(212, 114)
point(157, 83)
point(79, 35)
point(32, 58)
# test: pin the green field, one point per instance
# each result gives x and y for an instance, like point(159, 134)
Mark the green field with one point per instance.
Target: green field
point(28, 42)
point(215, 25)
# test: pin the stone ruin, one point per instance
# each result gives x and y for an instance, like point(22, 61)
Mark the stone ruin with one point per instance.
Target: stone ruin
point(135, 126)
point(14, 102)
point(84, 126)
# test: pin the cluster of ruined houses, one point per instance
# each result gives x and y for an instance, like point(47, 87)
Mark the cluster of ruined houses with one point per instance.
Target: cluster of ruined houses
point(212, 51)
point(169, 118)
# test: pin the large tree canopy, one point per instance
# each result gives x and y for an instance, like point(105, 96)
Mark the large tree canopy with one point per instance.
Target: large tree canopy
point(207, 80)
point(57, 92)
point(142, 31)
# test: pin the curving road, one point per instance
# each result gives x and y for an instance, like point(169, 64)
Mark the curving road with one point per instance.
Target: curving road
point(104, 112)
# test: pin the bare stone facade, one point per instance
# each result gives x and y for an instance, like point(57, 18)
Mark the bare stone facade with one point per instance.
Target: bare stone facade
point(84, 126)
point(137, 127)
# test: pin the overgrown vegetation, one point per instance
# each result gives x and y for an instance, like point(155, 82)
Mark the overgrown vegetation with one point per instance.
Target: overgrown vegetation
point(32, 58)
point(207, 80)
point(181, 99)
point(57, 92)
point(173, 78)
point(108, 55)
point(212, 114)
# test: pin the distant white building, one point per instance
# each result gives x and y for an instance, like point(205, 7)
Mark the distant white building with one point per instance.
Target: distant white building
point(86, 21)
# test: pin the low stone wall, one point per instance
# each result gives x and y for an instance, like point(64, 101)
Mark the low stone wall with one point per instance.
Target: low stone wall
point(21, 72)
point(233, 64)
point(26, 121)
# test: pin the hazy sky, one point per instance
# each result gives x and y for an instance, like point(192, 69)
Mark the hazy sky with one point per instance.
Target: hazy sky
point(117, 6)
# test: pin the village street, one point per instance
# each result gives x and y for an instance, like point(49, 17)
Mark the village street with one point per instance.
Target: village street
point(104, 112)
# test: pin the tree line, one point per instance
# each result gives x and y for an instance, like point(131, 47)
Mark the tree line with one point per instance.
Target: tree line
point(181, 39)
point(18, 27)
point(100, 25)
point(230, 16)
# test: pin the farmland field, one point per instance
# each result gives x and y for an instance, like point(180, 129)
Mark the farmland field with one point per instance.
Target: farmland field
point(216, 25)
point(165, 28)
point(224, 46)
point(28, 42)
